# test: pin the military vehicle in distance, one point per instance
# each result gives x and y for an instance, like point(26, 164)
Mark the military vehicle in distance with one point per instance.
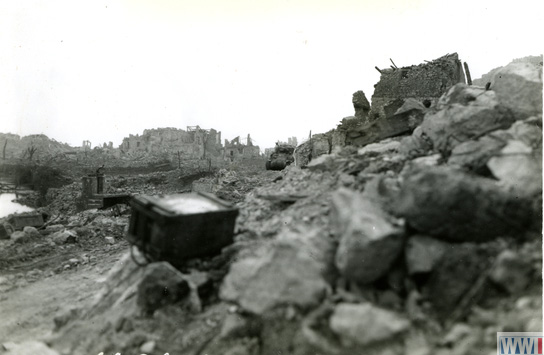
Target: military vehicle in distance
point(281, 157)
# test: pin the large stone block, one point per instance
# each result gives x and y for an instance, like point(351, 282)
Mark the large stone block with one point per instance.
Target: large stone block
point(456, 206)
point(289, 271)
point(519, 87)
point(365, 324)
point(370, 240)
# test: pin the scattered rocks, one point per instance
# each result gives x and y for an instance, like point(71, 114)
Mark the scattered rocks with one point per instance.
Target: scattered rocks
point(464, 113)
point(370, 241)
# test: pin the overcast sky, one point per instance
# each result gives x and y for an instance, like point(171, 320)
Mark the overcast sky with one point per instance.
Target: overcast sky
point(101, 70)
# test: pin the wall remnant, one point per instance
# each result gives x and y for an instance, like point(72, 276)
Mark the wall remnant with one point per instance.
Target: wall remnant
point(192, 143)
point(424, 82)
point(236, 150)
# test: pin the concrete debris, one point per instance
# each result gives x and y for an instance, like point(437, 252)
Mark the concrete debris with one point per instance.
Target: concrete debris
point(450, 204)
point(370, 241)
point(365, 324)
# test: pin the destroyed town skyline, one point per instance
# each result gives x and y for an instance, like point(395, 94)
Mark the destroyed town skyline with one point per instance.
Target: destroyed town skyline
point(100, 72)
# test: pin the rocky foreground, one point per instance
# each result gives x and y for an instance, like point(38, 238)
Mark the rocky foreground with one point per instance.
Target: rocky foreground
point(425, 244)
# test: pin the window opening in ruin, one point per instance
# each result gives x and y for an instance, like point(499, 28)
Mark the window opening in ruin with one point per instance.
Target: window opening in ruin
point(232, 152)
point(427, 103)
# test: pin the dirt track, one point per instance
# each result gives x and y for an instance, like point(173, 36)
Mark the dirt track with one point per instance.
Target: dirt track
point(25, 319)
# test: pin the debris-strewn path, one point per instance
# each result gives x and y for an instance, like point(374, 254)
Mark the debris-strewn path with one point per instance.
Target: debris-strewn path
point(28, 310)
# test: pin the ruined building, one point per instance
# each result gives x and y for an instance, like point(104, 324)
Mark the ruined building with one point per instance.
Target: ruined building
point(192, 143)
point(235, 150)
point(400, 100)
point(424, 82)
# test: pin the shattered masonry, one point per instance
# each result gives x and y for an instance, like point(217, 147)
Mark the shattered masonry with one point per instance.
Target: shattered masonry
point(422, 82)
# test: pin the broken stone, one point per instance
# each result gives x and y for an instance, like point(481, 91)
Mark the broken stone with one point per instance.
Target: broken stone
point(464, 113)
point(289, 271)
point(239, 326)
point(519, 87)
point(64, 237)
point(32, 232)
point(516, 167)
point(326, 162)
point(20, 237)
point(160, 285)
point(370, 240)
point(458, 270)
point(385, 127)
point(511, 272)
point(110, 240)
point(148, 347)
point(416, 145)
point(453, 205)
point(475, 154)
point(202, 282)
point(381, 147)
point(54, 228)
point(365, 324)
point(423, 253)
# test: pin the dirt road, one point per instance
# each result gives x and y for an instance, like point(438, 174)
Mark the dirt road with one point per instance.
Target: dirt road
point(28, 310)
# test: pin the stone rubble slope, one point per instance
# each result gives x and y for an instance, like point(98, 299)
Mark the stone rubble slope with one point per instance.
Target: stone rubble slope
point(425, 244)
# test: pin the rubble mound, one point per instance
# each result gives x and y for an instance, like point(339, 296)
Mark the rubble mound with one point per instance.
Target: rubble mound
point(424, 244)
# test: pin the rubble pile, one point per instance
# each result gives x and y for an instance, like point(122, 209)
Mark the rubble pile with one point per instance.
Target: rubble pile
point(424, 244)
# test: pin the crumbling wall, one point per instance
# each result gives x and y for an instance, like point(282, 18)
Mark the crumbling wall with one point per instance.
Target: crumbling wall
point(235, 150)
point(191, 144)
point(425, 82)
